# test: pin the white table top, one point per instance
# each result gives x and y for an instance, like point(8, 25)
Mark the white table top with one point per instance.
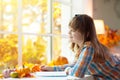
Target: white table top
point(51, 78)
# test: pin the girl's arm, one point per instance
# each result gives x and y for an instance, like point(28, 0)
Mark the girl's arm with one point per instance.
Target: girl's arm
point(56, 68)
point(83, 62)
point(63, 67)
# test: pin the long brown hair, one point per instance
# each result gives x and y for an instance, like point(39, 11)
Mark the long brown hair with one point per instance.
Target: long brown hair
point(85, 25)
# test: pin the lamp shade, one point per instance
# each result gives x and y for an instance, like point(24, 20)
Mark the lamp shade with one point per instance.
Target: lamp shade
point(99, 26)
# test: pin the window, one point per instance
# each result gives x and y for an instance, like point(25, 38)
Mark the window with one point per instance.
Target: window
point(33, 31)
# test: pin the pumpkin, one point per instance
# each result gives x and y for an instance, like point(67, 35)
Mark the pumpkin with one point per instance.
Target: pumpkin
point(61, 60)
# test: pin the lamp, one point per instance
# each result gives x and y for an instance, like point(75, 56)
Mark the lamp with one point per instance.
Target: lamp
point(99, 26)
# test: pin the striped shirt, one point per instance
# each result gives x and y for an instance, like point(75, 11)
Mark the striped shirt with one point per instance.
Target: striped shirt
point(109, 70)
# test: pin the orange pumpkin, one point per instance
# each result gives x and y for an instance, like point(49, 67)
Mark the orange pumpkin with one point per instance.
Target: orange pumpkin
point(61, 60)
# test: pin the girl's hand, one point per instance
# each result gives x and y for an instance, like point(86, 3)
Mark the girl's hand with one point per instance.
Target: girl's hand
point(68, 70)
point(46, 68)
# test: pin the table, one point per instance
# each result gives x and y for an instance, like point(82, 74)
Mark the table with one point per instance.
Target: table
point(87, 77)
point(52, 75)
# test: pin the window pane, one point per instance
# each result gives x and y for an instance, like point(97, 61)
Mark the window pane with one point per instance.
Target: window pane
point(8, 15)
point(8, 51)
point(34, 16)
point(56, 17)
point(61, 16)
point(66, 51)
point(65, 18)
point(56, 46)
point(62, 47)
point(35, 49)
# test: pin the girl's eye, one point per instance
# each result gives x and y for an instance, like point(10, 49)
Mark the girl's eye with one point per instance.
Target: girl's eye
point(70, 30)
point(73, 30)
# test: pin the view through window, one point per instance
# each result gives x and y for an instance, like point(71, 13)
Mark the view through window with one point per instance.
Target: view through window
point(33, 31)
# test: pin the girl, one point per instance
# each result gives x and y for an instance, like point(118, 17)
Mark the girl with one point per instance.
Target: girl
point(92, 57)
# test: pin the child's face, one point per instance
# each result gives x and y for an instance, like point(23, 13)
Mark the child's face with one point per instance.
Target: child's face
point(75, 36)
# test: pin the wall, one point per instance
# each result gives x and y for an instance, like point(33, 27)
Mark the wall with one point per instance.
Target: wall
point(82, 7)
point(109, 11)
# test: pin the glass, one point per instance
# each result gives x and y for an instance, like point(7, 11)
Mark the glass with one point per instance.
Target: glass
point(56, 47)
point(35, 49)
point(8, 51)
point(56, 17)
point(61, 17)
point(34, 16)
point(61, 47)
point(66, 51)
point(8, 15)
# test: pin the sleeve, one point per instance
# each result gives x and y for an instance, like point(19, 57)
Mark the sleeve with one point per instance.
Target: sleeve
point(83, 62)
point(63, 67)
